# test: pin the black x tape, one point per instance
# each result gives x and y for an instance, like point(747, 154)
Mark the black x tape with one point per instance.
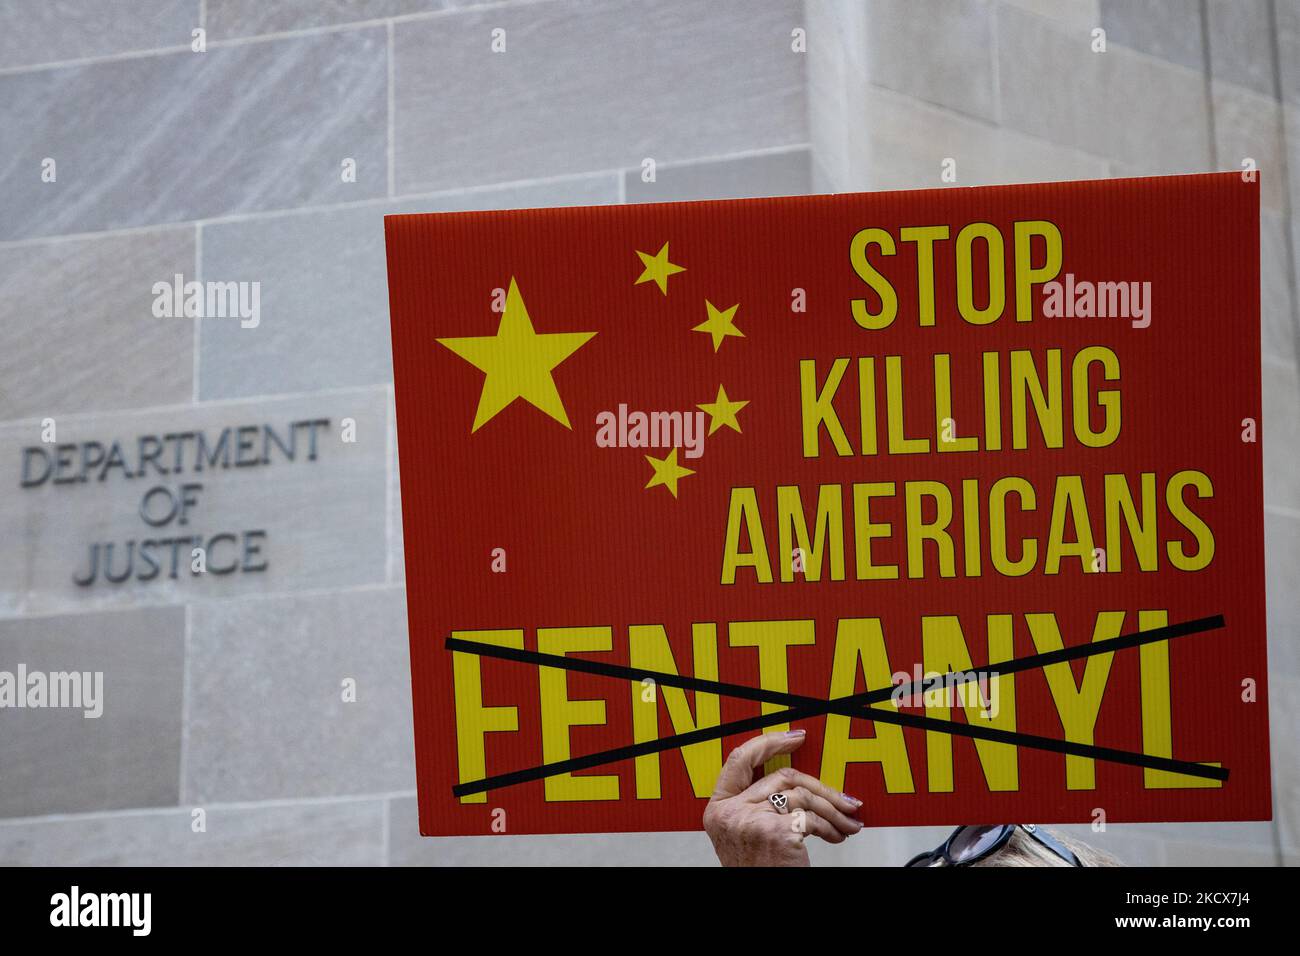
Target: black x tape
point(855, 705)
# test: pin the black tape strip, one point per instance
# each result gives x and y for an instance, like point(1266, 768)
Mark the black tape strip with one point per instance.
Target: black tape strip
point(856, 705)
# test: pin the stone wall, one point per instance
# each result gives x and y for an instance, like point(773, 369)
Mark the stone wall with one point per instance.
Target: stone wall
point(230, 165)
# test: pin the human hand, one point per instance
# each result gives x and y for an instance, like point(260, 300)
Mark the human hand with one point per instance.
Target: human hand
point(746, 827)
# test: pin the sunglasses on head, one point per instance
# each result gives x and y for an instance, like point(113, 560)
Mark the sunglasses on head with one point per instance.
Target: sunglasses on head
point(971, 844)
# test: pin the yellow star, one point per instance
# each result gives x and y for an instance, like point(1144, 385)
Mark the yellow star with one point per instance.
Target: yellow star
point(722, 412)
point(657, 268)
point(719, 324)
point(667, 471)
point(517, 362)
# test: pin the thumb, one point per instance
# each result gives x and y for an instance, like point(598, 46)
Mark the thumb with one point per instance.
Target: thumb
point(738, 772)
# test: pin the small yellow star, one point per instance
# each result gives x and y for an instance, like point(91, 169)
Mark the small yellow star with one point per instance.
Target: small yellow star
point(722, 412)
point(719, 324)
point(657, 268)
point(667, 471)
point(517, 362)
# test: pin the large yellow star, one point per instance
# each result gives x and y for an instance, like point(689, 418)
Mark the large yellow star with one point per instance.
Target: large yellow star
point(667, 471)
point(657, 268)
point(719, 324)
point(722, 412)
point(517, 362)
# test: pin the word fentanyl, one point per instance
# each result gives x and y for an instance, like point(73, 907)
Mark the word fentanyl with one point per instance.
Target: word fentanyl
point(651, 430)
point(856, 656)
point(208, 300)
point(175, 547)
point(71, 690)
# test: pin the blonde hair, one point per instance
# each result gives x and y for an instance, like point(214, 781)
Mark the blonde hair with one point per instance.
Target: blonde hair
point(1024, 850)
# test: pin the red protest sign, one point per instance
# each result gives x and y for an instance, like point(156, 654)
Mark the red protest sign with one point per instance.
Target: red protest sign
point(723, 467)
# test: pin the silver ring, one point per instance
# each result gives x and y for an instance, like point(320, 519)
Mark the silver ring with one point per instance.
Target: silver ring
point(780, 801)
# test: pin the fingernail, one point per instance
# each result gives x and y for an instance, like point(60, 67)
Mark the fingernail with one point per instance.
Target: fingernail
point(795, 733)
point(853, 800)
